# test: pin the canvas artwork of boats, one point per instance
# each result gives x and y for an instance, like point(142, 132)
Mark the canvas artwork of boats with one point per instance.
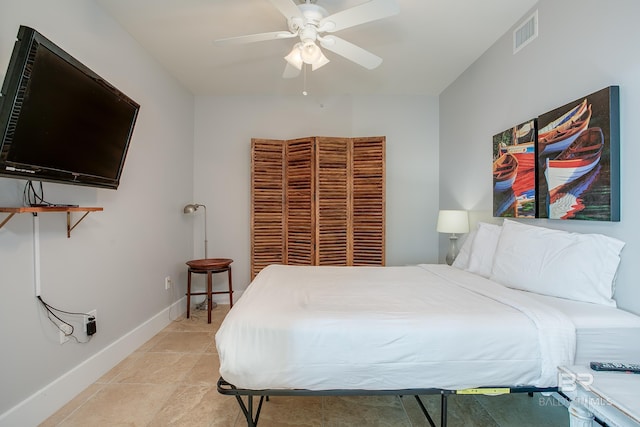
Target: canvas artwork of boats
point(575, 161)
point(562, 136)
point(505, 170)
point(577, 150)
point(564, 164)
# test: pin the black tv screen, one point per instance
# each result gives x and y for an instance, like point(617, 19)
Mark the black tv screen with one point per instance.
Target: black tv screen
point(59, 120)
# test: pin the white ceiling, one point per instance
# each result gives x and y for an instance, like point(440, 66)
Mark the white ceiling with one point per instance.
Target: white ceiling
point(424, 48)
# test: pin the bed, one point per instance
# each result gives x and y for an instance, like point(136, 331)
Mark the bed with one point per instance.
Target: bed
point(429, 328)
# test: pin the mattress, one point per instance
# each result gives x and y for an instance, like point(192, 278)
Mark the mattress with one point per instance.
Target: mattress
point(389, 328)
point(603, 333)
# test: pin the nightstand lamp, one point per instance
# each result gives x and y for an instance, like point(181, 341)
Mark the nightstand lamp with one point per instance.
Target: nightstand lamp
point(454, 222)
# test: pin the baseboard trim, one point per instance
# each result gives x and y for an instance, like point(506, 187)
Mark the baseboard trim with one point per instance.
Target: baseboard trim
point(45, 402)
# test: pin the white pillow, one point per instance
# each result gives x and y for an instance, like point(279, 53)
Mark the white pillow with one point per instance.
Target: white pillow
point(575, 266)
point(462, 260)
point(483, 248)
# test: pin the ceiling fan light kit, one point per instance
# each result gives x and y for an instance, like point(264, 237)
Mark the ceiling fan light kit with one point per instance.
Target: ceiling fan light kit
point(308, 20)
point(306, 53)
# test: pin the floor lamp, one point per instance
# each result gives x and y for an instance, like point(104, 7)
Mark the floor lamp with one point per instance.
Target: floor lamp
point(454, 222)
point(191, 208)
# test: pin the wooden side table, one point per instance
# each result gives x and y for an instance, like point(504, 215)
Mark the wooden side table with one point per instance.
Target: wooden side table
point(612, 397)
point(209, 266)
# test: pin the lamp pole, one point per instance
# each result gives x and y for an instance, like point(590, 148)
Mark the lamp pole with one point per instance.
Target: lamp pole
point(206, 243)
point(191, 208)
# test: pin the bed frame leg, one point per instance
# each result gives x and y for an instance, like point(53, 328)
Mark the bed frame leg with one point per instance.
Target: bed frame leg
point(425, 411)
point(443, 410)
point(247, 409)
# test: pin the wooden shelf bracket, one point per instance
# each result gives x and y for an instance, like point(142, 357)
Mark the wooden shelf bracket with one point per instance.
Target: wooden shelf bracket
point(71, 227)
point(6, 220)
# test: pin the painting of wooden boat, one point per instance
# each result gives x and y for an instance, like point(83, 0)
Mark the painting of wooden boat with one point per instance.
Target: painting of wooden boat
point(505, 169)
point(564, 121)
point(524, 153)
point(575, 161)
point(561, 137)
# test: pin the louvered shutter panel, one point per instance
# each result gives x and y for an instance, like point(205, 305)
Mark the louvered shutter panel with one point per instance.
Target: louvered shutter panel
point(267, 200)
point(318, 201)
point(332, 201)
point(368, 174)
point(299, 186)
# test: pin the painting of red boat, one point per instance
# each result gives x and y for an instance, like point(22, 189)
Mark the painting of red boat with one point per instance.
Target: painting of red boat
point(514, 165)
point(578, 159)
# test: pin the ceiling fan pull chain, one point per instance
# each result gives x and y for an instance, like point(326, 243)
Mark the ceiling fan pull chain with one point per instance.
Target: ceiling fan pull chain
point(304, 79)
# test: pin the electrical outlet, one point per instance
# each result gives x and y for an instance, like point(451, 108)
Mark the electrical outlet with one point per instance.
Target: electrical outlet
point(167, 282)
point(93, 314)
point(63, 337)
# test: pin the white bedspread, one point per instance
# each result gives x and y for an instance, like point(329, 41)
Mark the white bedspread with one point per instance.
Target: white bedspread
point(388, 328)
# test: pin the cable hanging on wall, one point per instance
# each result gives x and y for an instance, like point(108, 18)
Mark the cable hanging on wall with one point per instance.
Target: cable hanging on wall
point(63, 326)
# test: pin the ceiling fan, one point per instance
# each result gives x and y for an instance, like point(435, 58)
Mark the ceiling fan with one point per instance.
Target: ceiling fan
point(309, 22)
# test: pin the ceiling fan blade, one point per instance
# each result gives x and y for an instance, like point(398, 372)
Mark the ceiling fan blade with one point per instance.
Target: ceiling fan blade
point(367, 12)
point(288, 8)
point(350, 51)
point(290, 72)
point(251, 38)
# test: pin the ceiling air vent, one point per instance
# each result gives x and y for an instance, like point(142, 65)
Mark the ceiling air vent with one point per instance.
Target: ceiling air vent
point(525, 33)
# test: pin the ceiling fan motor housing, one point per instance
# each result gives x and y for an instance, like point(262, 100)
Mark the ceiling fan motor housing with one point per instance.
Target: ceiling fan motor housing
point(311, 17)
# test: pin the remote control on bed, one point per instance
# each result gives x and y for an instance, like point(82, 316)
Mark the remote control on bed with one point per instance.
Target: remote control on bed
point(616, 366)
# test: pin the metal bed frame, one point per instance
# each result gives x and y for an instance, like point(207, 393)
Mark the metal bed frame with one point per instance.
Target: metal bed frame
point(252, 415)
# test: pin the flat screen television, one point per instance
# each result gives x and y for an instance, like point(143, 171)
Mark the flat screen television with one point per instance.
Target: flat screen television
point(60, 121)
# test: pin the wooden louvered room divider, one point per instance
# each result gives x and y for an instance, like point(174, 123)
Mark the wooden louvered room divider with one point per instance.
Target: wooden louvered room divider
point(317, 201)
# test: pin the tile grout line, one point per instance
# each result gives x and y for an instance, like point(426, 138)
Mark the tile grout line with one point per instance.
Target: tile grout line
point(87, 400)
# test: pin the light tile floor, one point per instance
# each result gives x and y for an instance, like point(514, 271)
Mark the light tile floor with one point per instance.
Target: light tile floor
point(171, 381)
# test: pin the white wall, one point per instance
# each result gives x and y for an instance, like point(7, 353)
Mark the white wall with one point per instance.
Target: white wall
point(115, 260)
point(224, 127)
point(583, 46)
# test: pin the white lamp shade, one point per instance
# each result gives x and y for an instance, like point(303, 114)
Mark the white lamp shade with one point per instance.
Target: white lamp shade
point(295, 57)
point(322, 60)
point(310, 53)
point(453, 221)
